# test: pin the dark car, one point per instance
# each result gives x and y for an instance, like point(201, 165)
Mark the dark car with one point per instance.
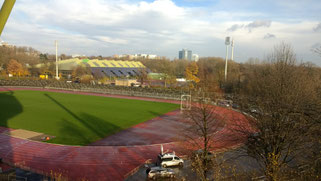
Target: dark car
point(159, 172)
point(199, 153)
point(199, 156)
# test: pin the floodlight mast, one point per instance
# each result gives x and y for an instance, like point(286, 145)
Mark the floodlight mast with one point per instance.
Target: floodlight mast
point(56, 43)
point(232, 45)
point(227, 43)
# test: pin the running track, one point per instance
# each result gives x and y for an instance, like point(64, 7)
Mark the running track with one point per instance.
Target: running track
point(109, 162)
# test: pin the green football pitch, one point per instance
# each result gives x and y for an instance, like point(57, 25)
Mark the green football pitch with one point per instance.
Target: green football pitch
point(72, 118)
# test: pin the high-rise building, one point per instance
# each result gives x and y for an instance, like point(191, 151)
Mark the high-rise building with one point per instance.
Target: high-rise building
point(195, 57)
point(185, 54)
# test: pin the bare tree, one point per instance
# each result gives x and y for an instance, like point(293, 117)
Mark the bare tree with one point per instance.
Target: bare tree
point(283, 99)
point(143, 76)
point(202, 122)
point(79, 71)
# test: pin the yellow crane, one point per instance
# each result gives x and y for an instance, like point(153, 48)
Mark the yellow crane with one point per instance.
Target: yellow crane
point(5, 12)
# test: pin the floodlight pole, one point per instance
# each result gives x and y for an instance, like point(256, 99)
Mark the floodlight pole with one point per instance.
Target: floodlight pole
point(57, 76)
point(227, 43)
point(225, 73)
point(232, 45)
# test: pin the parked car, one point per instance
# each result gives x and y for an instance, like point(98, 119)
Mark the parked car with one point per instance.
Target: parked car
point(224, 103)
point(235, 106)
point(256, 111)
point(254, 137)
point(135, 85)
point(200, 152)
point(170, 159)
point(198, 156)
point(159, 172)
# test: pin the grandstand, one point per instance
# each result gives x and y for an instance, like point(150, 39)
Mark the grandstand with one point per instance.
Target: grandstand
point(173, 94)
point(102, 68)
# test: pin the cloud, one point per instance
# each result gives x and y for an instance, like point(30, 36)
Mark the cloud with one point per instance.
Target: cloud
point(111, 40)
point(122, 26)
point(269, 36)
point(317, 28)
point(162, 27)
point(235, 27)
point(250, 26)
point(316, 45)
point(258, 24)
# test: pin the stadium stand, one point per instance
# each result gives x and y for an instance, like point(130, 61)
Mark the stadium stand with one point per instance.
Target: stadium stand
point(101, 68)
point(161, 93)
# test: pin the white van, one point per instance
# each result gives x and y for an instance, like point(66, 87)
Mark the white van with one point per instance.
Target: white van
point(170, 159)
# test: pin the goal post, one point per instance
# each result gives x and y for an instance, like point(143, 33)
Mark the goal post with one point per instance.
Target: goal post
point(186, 102)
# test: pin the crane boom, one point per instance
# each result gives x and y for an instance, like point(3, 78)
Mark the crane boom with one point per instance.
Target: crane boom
point(5, 12)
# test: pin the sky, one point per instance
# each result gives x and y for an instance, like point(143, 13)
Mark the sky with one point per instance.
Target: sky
point(163, 27)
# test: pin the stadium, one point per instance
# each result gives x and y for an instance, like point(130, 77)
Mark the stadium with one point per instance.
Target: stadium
point(100, 68)
point(117, 104)
point(83, 134)
point(73, 131)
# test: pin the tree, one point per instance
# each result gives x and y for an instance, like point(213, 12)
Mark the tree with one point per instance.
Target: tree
point(162, 66)
point(64, 56)
point(179, 67)
point(79, 71)
point(15, 68)
point(43, 57)
point(142, 77)
point(284, 100)
point(47, 69)
point(202, 122)
point(207, 77)
point(191, 74)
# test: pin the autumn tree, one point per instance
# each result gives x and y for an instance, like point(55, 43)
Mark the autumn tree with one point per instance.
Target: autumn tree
point(82, 73)
point(191, 74)
point(47, 69)
point(284, 100)
point(15, 68)
point(25, 55)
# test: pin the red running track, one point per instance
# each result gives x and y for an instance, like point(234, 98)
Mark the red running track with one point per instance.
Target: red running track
point(120, 157)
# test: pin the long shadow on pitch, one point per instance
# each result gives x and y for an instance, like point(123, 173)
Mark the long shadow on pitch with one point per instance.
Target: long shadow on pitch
point(9, 108)
point(93, 128)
